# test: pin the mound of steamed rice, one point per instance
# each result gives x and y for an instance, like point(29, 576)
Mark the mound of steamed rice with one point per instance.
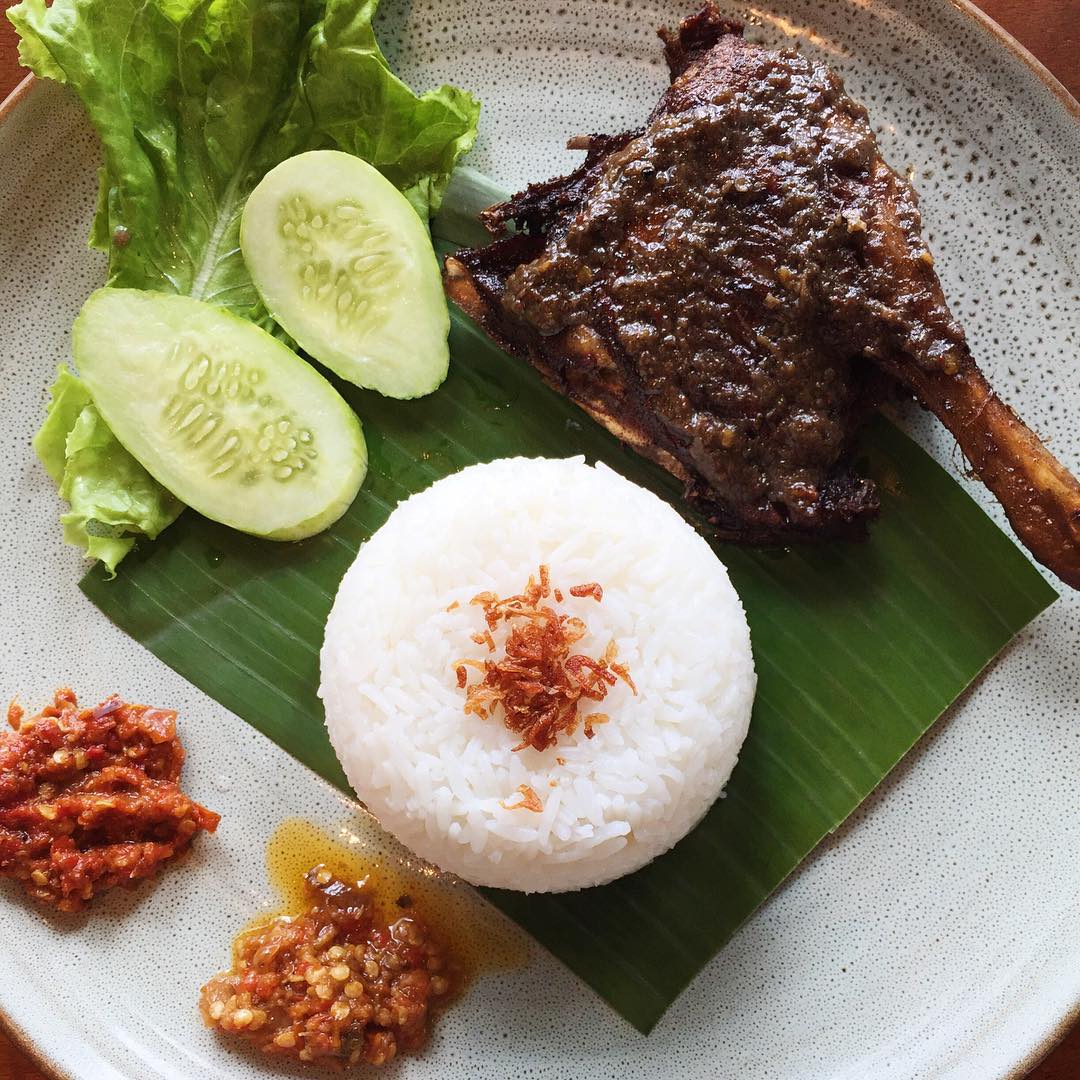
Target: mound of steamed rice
point(438, 778)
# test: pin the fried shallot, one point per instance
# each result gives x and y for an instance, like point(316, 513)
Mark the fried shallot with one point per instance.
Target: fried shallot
point(538, 682)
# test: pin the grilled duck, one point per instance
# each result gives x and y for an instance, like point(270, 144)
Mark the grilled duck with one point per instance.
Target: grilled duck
point(731, 289)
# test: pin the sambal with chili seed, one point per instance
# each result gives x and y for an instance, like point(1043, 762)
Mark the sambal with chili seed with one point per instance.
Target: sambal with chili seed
point(89, 798)
point(333, 984)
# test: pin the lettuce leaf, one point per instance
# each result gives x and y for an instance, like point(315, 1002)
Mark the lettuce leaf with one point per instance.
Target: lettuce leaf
point(362, 108)
point(194, 101)
point(113, 498)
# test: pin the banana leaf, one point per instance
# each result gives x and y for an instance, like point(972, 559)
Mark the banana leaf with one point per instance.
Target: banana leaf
point(859, 647)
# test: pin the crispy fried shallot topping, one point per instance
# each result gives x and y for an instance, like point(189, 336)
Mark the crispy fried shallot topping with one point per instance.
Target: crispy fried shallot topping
point(538, 682)
point(591, 589)
point(529, 800)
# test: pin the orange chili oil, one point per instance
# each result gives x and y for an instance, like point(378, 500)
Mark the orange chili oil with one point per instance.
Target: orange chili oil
point(89, 798)
point(365, 953)
point(538, 681)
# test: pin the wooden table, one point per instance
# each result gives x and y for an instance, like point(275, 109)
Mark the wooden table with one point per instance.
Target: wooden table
point(1051, 30)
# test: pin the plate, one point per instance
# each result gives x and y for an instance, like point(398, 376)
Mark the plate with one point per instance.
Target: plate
point(935, 935)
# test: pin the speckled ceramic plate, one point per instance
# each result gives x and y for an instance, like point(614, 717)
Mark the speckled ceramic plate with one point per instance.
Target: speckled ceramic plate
point(937, 934)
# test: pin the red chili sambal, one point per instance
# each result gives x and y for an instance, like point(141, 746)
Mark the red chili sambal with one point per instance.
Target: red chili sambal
point(332, 984)
point(89, 798)
point(539, 682)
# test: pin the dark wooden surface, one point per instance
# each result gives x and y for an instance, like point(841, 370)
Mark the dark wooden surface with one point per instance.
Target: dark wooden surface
point(1051, 30)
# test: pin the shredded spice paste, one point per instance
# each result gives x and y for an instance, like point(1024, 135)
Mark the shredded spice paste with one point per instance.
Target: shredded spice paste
point(332, 984)
point(89, 798)
point(538, 681)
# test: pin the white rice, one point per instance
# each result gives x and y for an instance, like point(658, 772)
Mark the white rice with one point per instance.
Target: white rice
point(436, 777)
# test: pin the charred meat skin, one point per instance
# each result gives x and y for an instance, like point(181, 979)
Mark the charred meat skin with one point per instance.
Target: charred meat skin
point(646, 289)
point(730, 288)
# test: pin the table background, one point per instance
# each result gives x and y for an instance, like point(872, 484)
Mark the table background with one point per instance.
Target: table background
point(1051, 30)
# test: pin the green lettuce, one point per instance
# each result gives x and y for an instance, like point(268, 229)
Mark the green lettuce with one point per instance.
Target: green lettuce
point(194, 101)
point(113, 498)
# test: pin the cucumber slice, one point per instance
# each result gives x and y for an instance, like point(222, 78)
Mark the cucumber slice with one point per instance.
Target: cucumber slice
point(221, 413)
point(345, 265)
